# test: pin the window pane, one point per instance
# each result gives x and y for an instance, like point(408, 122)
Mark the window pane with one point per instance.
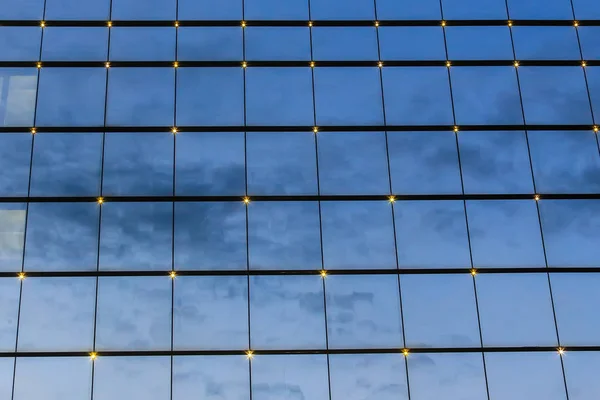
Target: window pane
point(210, 163)
point(450, 376)
point(138, 164)
point(287, 312)
point(593, 78)
point(411, 42)
point(505, 233)
point(210, 312)
point(66, 164)
point(9, 309)
point(358, 234)
point(281, 163)
point(424, 163)
point(210, 96)
point(277, 43)
point(20, 43)
point(581, 373)
point(134, 313)
point(345, 43)
point(546, 43)
point(525, 376)
point(540, 9)
point(75, 44)
point(348, 96)
point(353, 163)
point(136, 236)
point(554, 95)
point(12, 232)
point(587, 9)
point(23, 9)
point(486, 95)
point(368, 376)
point(349, 9)
point(15, 156)
point(144, 9)
point(576, 301)
point(142, 44)
point(276, 9)
point(140, 96)
point(571, 232)
point(478, 42)
point(210, 236)
point(290, 376)
point(439, 311)
point(417, 96)
point(57, 314)
point(210, 9)
point(565, 162)
point(394, 9)
point(363, 311)
point(132, 378)
point(279, 96)
point(209, 43)
point(474, 9)
point(213, 376)
point(56, 378)
point(589, 45)
point(284, 235)
point(504, 319)
point(495, 162)
point(62, 237)
point(6, 376)
point(431, 234)
point(77, 9)
point(17, 102)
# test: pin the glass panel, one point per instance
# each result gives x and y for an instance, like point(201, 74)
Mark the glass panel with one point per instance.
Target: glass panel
point(17, 96)
point(348, 96)
point(77, 9)
point(15, 156)
point(136, 236)
point(505, 233)
point(394, 9)
point(565, 162)
point(589, 45)
point(287, 312)
point(478, 42)
point(439, 311)
point(505, 321)
point(358, 234)
point(554, 95)
point(367, 376)
point(486, 95)
point(576, 301)
point(495, 162)
point(281, 163)
point(431, 234)
point(363, 311)
point(411, 42)
point(23, 9)
point(345, 43)
point(277, 43)
point(212, 377)
point(12, 233)
point(540, 9)
point(138, 164)
point(593, 80)
point(417, 96)
point(210, 163)
point(66, 164)
point(210, 96)
point(450, 376)
point(53, 378)
point(75, 44)
point(210, 312)
point(132, 378)
point(144, 9)
point(57, 314)
point(20, 43)
point(349, 9)
point(290, 377)
point(62, 237)
point(210, 43)
point(279, 96)
point(7, 366)
point(210, 9)
point(134, 313)
point(525, 376)
point(581, 373)
point(569, 225)
point(276, 9)
point(9, 309)
point(587, 9)
point(284, 235)
point(546, 43)
point(142, 43)
point(474, 9)
point(141, 96)
point(424, 163)
point(210, 236)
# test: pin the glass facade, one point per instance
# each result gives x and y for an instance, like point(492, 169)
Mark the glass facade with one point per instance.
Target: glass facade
point(300, 199)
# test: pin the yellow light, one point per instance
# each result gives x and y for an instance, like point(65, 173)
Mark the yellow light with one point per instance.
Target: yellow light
point(392, 199)
point(516, 64)
point(107, 65)
point(172, 274)
point(561, 351)
point(109, 24)
point(310, 24)
point(246, 200)
point(312, 64)
point(405, 352)
point(596, 129)
point(42, 24)
point(448, 64)
point(536, 197)
point(93, 355)
point(473, 272)
point(510, 23)
point(100, 200)
point(244, 64)
point(176, 24)
point(380, 64)
point(583, 64)
point(33, 131)
point(456, 129)
point(376, 24)
point(315, 130)
point(243, 24)
point(175, 64)
point(174, 130)
point(443, 23)
point(39, 65)
point(249, 354)
point(575, 24)
point(21, 276)
point(323, 273)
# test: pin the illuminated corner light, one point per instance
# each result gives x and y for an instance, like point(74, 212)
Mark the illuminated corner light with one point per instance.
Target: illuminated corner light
point(109, 24)
point(175, 64)
point(456, 129)
point(243, 24)
point(583, 64)
point(42, 24)
point(174, 130)
point(392, 199)
point(107, 65)
point(33, 131)
point(405, 352)
point(249, 354)
point(575, 24)
point(21, 276)
point(561, 351)
point(473, 271)
point(246, 200)
point(315, 129)
point(172, 274)
point(510, 24)
point(39, 65)
point(516, 64)
point(100, 200)
point(312, 64)
point(176, 24)
point(596, 129)
point(310, 24)
point(448, 64)
point(244, 64)
point(536, 197)
point(380, 64)
point(443, 23)
point(323, 273)
point(376, 24)
point(93, 355)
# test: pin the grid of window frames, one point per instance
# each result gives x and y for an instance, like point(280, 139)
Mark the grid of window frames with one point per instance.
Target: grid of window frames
point(300, 199)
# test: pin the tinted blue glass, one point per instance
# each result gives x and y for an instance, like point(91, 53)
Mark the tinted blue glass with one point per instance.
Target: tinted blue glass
point(25, 9)
point(77, 9)
point(474, 9)
point(350, 9)
point(12, 231)
point(210, 43)
point(589, 45)
point(587, 9)
point(144, 9)
point(277, 43)
point(15, 156)
point(142, 44)
point(407, 9)
point(7, 366)
point(593, 80)
point(210, 9)
point(479, 42)
point(9, 301)
point(580, 369)
point(75, 44)
point(349, 43)
point(546, 43)
point(18, 88)
point(412, 43)
point(275, 9)
point(540, 9)
point(279, 96)
point(20, 43)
